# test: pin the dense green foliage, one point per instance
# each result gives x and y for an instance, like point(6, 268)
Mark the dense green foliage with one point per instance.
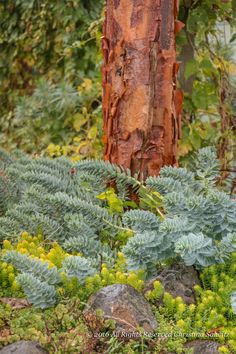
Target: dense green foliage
point(207, 75)
point(62, 329)
point(211, 51)
point(60, 114)
point(48, 49)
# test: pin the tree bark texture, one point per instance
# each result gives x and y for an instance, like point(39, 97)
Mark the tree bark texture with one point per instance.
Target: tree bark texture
point(141, 104)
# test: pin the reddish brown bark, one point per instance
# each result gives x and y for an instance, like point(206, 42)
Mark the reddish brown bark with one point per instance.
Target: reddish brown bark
point(141, 105)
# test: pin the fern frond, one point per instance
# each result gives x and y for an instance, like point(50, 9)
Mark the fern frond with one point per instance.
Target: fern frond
point(34, 223)
point(77, 225)
point(176, 227)
point(50, 182)
point(92, 212)
point(9, 228)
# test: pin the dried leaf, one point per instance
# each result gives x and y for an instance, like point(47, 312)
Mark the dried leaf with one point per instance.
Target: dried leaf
point(15, 303)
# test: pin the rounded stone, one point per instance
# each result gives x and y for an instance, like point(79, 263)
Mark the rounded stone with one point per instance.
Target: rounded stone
point(23, 347)
point(178, 280)
point(123, 304)
point(203, 346)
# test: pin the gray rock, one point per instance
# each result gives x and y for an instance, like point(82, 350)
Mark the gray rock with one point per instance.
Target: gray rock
point(178, 280)
point(203, 346)
point(123, 304)
point(23, 347)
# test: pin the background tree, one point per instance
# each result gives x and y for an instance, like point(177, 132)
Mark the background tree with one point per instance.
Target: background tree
point(207, 76)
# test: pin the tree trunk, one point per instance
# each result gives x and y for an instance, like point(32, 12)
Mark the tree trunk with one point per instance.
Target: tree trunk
point(185, 56)
point(141, 105)
point(187, 52)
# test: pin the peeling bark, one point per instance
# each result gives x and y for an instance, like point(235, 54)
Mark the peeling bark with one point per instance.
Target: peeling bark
point(141, 105)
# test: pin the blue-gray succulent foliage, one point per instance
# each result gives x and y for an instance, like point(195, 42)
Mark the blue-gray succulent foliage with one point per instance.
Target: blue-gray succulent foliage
point(200, 223)
point(59, 198)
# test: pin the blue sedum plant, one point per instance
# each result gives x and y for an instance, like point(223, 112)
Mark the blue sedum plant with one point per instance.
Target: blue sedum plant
point(76, 266)
point(180, 214)
point(36, 267)
point(40, 281)
point(200, 220)
point(40, 294)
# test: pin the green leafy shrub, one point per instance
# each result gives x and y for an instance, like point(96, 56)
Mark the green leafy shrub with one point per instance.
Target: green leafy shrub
point(60, 114)
point(49, 42)
point(207, 79)
point(199, 224)
point(61, 329)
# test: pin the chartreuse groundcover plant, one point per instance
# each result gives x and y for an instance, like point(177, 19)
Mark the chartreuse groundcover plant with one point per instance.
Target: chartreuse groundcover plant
point(47, 273)
point(212, 317)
